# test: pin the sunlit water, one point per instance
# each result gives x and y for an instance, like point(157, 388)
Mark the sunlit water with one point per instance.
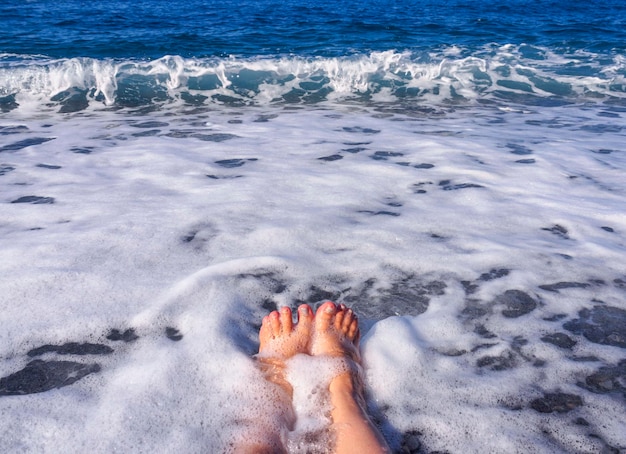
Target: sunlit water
point(169, 175)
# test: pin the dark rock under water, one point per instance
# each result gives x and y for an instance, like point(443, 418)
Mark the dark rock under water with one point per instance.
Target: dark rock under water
point(39, 376)
point(556, 402)
point(25, 143)
point(72, 348)
point(601, 325)
point(607, 379)
point(516, 303)
point(128, 335)
point(34, 199)
point(560, 340)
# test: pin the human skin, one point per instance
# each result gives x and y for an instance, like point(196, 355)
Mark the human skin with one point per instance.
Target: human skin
point(333, 332)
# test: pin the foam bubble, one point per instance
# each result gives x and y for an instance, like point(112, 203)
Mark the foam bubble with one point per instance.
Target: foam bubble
point(185, 227)
point(494, 73)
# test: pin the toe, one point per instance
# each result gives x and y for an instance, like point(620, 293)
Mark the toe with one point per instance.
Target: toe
point(286, 320)
point(354, 333)
point(347, 320)
point(340, 317)
point(274, 322)
point(265, 332)
point(305, 314)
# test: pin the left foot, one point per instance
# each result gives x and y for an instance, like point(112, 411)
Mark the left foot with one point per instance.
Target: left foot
point(280, 338)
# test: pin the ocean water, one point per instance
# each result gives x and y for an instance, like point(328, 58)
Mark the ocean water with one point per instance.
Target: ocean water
point(172, 171)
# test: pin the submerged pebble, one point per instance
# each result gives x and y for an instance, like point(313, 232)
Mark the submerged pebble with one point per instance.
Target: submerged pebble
point(601, 324)
point(40, 376)
point(556, 402)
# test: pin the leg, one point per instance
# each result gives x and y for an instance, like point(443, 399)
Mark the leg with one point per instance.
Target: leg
point(337, 333)
point(279, 340)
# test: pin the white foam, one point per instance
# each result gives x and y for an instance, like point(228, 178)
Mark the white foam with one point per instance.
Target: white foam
point(441, 77)
point(139, 237)
point(311, 377)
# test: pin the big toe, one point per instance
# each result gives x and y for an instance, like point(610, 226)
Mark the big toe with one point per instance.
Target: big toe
point(274, 323)
point(265, 333)
point(305, 317)
point(325, 315)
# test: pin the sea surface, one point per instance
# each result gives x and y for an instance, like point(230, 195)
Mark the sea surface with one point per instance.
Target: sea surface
point(172, 171)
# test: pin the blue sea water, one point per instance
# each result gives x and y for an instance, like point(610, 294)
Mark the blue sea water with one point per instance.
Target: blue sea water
point(152, 29)
point(123, 53)
point(452, 170)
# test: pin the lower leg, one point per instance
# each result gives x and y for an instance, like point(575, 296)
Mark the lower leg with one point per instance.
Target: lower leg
point(354, 430)
point(337, 334)
point(279, 339)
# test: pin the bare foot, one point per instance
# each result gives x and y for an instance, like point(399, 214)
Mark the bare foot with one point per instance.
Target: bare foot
point(337, 334)
point(280, 338)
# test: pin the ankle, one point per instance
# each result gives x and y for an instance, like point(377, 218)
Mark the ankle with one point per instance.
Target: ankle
point(346, 390)
point(342, 383)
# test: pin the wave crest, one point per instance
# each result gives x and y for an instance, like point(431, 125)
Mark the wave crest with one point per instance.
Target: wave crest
point(522, 74)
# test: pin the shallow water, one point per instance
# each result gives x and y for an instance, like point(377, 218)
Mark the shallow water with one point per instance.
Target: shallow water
point(465, 196)
point(486, 263)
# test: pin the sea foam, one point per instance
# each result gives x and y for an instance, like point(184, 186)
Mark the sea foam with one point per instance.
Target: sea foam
point(496, 73)
point(142, 248)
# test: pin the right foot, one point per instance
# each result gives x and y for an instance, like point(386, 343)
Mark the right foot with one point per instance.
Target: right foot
point(336, 332)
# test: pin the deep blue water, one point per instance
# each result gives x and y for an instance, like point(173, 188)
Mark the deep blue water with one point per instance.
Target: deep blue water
point(153, 28)
point(458, 50)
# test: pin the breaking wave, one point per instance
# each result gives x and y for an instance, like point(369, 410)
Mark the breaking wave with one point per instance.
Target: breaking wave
point(511, 73)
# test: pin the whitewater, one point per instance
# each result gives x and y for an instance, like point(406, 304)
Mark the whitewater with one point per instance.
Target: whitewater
point(452, 173)
point(453, 75)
